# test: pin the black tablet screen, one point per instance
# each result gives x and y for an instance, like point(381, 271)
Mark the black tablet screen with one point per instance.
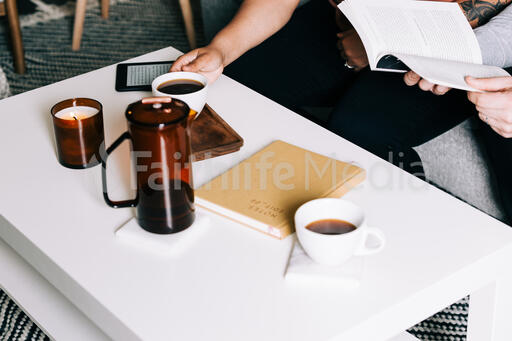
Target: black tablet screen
point(138, 75)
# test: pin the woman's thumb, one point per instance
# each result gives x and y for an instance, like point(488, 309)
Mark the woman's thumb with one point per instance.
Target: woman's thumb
point(184, 60)
point(490, 84)
point(197, 64)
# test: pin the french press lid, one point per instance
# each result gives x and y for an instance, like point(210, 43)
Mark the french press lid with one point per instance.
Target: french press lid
point(157, 111)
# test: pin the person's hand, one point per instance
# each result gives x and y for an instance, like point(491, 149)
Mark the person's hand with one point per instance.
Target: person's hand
point(352, 49)
point(411, 78)
point(495, 106)
point(207, 61)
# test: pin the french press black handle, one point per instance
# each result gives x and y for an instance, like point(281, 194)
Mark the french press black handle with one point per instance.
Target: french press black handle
point(111, 203)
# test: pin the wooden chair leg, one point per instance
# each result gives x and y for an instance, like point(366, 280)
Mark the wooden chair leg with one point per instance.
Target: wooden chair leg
point(17, 43)
point(188, 17)
point(79, 24)
point(104, 8)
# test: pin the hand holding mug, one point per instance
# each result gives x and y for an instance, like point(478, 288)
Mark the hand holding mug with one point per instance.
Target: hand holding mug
point(208, 61)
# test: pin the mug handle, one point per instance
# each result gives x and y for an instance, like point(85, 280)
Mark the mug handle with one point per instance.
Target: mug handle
point(363, 250)
point(111, 203)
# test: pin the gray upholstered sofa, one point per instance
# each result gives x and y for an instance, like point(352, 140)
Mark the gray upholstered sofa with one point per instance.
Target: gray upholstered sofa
point(454, 161)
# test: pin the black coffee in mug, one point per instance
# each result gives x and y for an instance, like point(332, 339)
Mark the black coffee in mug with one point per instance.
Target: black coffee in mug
point(180, 86)
point(331, 226)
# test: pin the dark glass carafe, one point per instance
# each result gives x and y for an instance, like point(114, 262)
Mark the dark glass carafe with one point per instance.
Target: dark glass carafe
point(161, 158)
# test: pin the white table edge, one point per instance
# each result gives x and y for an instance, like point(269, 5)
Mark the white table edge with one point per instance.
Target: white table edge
point(42, 302)
point(66, 285)
point(64, 307)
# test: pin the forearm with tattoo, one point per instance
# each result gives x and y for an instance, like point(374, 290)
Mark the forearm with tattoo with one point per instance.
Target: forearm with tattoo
point(479, 12)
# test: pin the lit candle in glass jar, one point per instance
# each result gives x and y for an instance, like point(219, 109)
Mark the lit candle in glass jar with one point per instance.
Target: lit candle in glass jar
point(76, 113)
point(78, 126)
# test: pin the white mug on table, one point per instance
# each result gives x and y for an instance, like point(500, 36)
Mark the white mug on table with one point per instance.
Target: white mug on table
point(335, 249)
point(195, 100)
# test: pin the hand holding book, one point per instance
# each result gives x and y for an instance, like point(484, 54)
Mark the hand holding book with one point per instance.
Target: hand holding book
point(431, 38)
point(478, 13)
point(411, 78)
point(352, 49)
point(495, 104)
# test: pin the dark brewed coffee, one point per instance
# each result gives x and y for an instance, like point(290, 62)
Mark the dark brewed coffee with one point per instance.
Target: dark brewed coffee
point(331, 226)
point(180, 86)
point(166, 210)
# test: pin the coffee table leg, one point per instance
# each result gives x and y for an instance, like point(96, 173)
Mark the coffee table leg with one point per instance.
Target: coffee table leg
point(490, 311)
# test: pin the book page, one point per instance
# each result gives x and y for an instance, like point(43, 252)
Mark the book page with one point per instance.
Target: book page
point(450, 73)
point(423, 28)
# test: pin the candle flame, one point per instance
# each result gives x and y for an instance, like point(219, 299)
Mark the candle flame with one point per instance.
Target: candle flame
point(74, 115)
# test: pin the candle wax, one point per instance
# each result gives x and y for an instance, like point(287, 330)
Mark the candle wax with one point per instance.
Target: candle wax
point(78, 113)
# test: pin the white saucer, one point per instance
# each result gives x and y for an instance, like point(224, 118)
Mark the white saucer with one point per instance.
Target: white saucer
point(303, 270)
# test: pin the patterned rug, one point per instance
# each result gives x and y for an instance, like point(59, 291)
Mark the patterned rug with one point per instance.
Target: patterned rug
point(134, 27)
point(15, 325)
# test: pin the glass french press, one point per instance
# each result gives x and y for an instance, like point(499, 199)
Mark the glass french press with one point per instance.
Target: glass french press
point(158, 128)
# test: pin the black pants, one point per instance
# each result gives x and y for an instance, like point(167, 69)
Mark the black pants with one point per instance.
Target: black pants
point(301, 66)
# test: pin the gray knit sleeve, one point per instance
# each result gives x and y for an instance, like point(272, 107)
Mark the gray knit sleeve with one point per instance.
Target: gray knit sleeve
point(495, 39)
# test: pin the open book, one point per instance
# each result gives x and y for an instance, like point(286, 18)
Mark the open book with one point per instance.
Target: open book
point(434, 39)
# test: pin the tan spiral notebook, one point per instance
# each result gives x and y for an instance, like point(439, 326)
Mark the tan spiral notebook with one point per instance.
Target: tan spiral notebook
point(264, 191)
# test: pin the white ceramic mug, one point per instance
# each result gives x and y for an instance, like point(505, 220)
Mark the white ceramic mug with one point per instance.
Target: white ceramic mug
point(195, 100)
point(331, 249)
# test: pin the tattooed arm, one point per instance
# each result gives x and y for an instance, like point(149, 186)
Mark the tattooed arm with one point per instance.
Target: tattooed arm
point(495, 44)
point(479, 12)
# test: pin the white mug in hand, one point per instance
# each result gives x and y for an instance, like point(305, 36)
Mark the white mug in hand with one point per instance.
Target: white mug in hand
point(195, 100)
point(335, 248)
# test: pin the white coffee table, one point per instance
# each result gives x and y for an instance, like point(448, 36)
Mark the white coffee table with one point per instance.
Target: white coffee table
point(229, 285)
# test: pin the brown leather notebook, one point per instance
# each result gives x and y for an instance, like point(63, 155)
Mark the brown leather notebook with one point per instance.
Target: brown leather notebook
point(212, 136)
